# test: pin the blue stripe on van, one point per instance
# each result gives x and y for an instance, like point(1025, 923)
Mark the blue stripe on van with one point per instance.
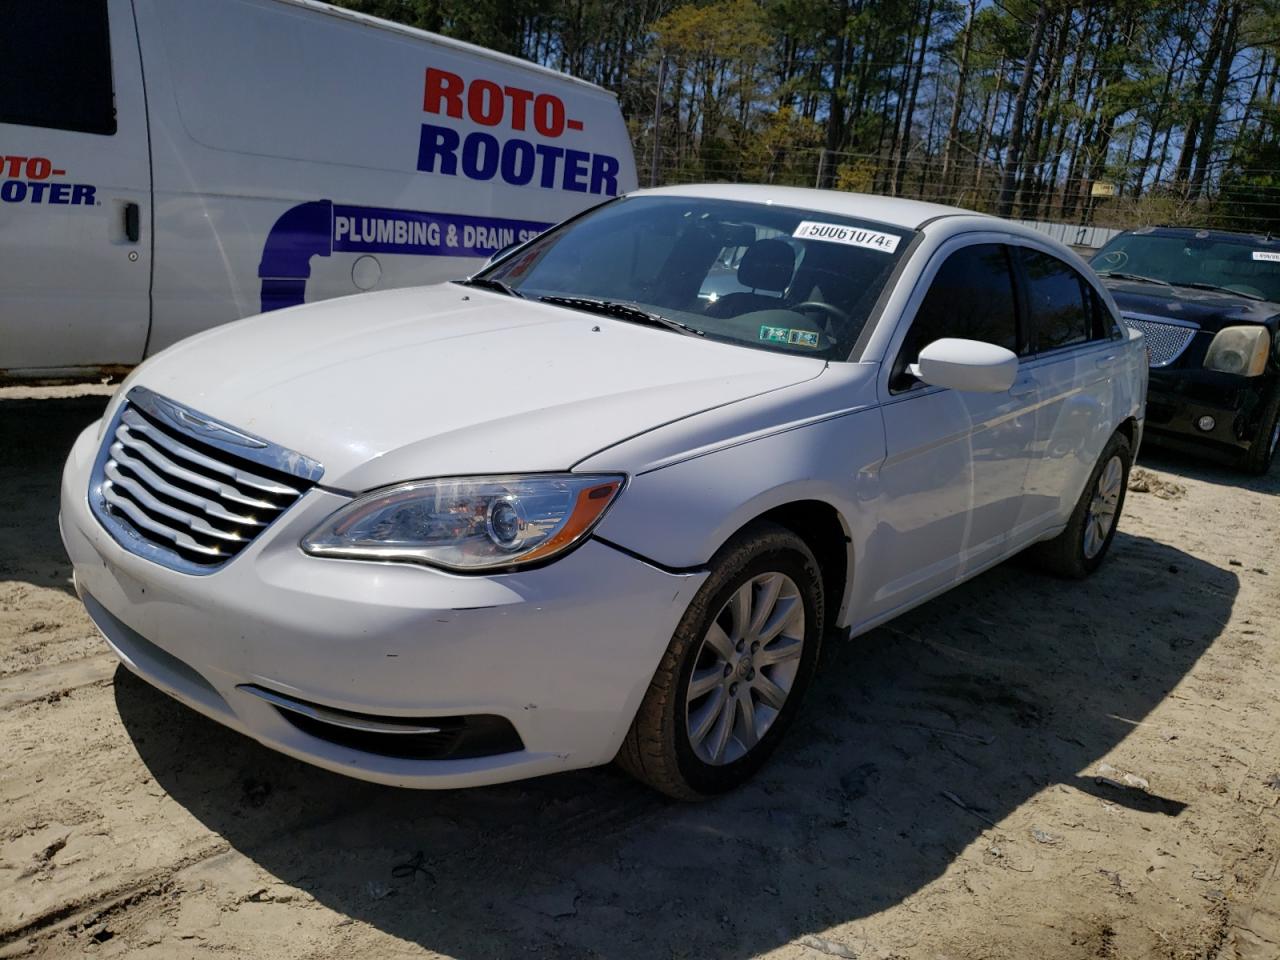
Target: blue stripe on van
point(320, 227)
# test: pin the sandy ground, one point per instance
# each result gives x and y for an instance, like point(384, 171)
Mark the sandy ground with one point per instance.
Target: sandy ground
point(1025, 768)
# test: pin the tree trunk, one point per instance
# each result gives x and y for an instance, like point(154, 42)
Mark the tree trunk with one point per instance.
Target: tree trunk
point(1162, 106)
point(900, 164)
point(835, 109)
point(953, 127)
point(1013, 156)
point(1191, 136)
point(1209, 135)
point(1030, 193)
point(988, 122)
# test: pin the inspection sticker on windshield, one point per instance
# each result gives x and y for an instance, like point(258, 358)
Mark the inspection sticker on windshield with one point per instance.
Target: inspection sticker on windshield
point(849, 236)
point(1271, 256)
point(789, 335)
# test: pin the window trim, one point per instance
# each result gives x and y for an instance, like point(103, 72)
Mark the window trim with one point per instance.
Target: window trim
point(1091, 298)
point(944, 253)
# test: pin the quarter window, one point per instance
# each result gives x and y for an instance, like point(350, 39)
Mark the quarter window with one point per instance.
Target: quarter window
point(55, 65)
point(1061, 309)
point(972, 297)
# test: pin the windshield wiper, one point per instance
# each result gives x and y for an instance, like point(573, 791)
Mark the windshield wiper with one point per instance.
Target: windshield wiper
point(622, 311)
point(1201, 285)
point(1134, 276)
point(488, 283)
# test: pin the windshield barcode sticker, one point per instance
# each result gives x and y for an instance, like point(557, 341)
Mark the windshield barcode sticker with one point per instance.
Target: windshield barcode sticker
point(1271, 256)
point(850, 236)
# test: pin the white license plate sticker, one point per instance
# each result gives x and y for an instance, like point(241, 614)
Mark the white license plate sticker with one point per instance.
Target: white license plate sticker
point(1271, 256)
point(849, 236)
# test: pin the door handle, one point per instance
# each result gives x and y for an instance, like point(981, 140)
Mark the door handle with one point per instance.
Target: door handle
point(132, 222)
point(1023, 388)
point(1105, 362)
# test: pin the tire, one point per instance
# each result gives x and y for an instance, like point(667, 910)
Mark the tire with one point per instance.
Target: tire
point(1080, 549)
point(695, 747)
point(1262, 452)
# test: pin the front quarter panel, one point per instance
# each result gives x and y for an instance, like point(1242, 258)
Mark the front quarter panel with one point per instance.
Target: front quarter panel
point(680, 515)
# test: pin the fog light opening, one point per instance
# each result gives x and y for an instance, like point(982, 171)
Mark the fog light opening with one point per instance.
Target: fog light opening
point(1206, 423)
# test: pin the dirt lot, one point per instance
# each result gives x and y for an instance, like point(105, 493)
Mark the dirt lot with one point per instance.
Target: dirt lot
point(1024, 768)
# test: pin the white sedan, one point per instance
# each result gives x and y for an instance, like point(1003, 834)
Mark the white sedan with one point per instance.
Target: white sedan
point(605, 499)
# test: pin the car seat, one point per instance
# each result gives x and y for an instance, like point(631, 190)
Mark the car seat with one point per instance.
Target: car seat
point(766, 265)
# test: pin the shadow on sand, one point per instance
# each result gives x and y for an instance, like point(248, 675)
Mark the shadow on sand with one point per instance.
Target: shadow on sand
point(35, 436)
point(916, 738)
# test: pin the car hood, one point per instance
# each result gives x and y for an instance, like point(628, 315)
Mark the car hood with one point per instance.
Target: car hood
point(449, 380)
point(1209, 309)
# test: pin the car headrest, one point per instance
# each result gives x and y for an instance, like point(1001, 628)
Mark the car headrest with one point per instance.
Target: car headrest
point(767, 265)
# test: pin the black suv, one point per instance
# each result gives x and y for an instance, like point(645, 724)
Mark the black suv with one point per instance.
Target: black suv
point(1208, 303)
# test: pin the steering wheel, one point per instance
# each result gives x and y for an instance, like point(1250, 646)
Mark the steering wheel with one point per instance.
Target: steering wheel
point(830, 309)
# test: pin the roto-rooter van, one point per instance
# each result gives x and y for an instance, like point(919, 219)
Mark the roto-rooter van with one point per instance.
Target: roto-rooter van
point(170, 165)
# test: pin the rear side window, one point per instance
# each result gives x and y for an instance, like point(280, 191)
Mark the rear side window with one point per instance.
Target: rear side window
point(1062, 309)
point(55, 65)
point(971, 296)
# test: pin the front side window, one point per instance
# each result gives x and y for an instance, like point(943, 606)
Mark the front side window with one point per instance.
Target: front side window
point(55, 65)
point(769, 277)
point(971, 297)
point(1061, 311)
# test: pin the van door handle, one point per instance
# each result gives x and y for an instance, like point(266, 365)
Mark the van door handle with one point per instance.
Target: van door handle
point(1105, 362)
point(132, 222)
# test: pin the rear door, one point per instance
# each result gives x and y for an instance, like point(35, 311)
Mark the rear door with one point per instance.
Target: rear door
point(75, 188)
point(1077, 349)
point(956, 461)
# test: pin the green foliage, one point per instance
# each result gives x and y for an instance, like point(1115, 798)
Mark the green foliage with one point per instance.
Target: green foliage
point(1179, 104)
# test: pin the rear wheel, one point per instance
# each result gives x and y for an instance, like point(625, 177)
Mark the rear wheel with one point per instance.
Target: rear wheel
point(735, 671)
point(1082, 546)
point(1262, 452)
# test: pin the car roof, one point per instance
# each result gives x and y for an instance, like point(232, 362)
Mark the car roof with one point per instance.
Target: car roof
point(892, 211)
point(1204, 233)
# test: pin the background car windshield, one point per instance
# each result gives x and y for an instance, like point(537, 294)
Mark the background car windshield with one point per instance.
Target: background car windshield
point(800, 281)
point(1248, 266)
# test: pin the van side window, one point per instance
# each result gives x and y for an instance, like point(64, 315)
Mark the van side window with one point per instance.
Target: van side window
point(55, 66)
point(971, 296)
point(1061, 311)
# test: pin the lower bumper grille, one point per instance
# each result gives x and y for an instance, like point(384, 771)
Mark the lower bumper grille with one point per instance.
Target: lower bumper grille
point(408, 738)
point(186, 490)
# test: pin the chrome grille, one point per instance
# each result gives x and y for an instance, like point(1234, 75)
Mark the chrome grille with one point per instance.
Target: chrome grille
point(1165, 341)
point(186, 490)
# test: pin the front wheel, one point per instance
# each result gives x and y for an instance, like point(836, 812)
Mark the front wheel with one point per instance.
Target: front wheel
point(735, 671)
point(1080, 549)
point(1262, 452)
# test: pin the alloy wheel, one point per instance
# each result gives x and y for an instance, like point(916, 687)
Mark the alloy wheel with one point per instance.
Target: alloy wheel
point(745, 668)
point(1102, 508)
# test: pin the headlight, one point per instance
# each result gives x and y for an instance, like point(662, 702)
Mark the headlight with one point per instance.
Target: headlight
point(474, 523)
point(1240, 350)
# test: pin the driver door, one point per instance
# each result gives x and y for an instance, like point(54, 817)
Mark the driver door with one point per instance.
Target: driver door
point(956, 462)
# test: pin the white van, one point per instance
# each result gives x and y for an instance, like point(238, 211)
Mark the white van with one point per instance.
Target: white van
point(170, 165)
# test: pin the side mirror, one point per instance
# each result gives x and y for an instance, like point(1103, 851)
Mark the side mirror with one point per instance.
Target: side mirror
point(966, 365)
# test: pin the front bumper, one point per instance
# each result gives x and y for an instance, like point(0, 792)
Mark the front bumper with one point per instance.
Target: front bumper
point(563, 653)
point(1178, 399)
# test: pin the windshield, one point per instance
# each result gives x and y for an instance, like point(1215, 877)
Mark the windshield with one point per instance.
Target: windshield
point(798, 281)
point(1248, 266)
